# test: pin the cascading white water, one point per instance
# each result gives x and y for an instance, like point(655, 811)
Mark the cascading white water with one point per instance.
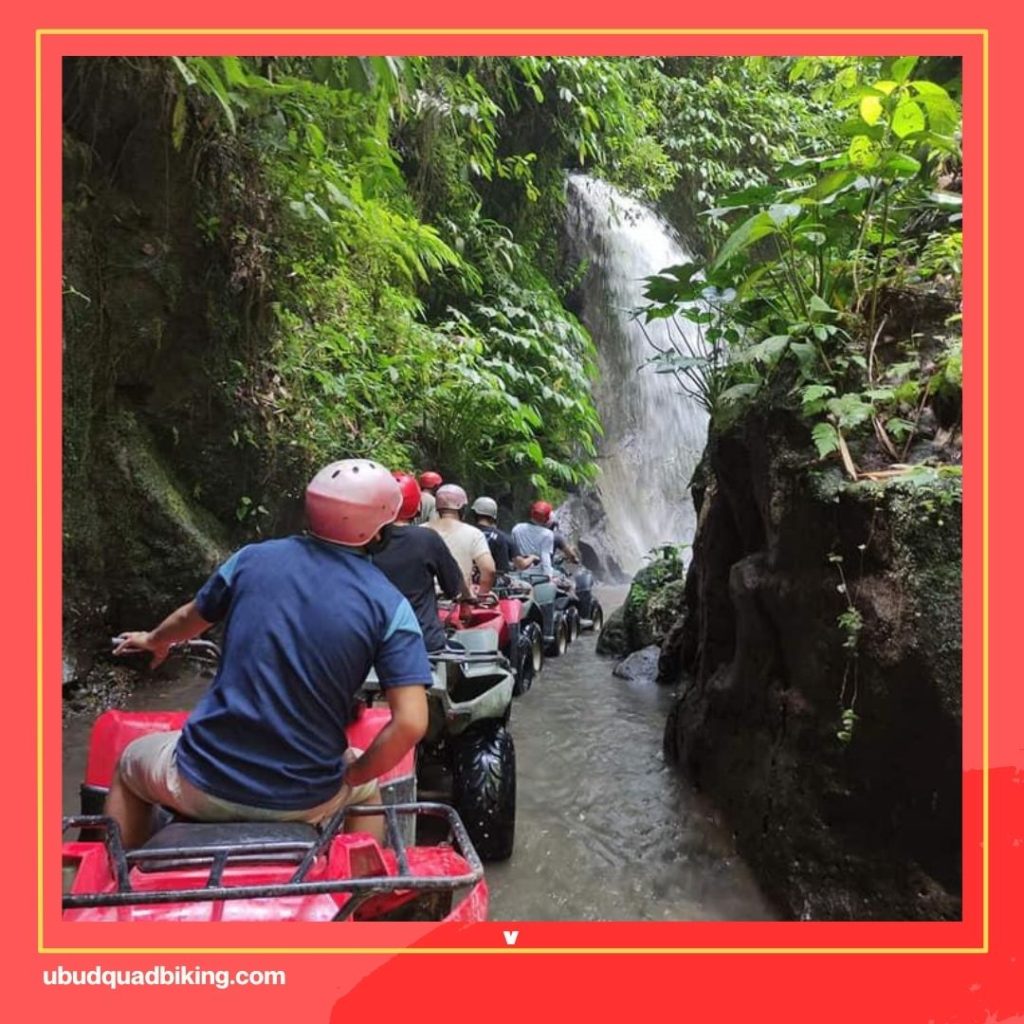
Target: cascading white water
point(654, 433)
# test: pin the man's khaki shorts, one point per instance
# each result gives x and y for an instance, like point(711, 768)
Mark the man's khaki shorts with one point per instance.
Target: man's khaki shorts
point(149, 769)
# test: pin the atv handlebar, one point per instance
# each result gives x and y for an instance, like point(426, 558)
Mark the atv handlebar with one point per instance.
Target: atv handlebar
point(203, 648)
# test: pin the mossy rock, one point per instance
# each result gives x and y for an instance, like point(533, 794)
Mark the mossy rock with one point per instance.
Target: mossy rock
point(648, 610)
point(614, 638)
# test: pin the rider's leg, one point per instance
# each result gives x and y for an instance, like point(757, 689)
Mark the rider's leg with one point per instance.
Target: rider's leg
point(131, 812)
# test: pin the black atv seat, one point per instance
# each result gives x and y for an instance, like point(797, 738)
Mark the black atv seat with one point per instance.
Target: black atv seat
point(263, 841)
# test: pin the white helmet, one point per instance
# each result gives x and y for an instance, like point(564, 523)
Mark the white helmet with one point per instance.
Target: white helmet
point(347, 502)
point(450, 496)
point(486, 507)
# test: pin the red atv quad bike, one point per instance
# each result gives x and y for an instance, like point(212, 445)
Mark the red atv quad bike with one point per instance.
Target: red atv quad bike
point(266, 871)
point(519, 640)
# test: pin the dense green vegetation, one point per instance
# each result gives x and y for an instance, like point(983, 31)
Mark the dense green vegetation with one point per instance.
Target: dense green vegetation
point(376, 263)
point(403, 229)
point(414, 277)
point(836, 289)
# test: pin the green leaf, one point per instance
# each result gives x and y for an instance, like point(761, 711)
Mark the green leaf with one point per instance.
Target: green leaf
point(184, 70)
point(902, 67)
point(768, 350)
point(870, 109)
point(806, 355)
point(900, 165)
point(750, 231)
point(738, 392)
point(850, 411)
point(819, 305)
point(907, 118)
point(826, 439)
point(880, 394)
point(816, 392)
point(863, 152)
point(832, 183)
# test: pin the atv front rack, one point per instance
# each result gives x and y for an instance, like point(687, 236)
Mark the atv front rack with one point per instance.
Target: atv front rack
point(219, 855)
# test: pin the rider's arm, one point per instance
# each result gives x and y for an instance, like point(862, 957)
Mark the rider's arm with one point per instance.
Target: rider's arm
point(183, 623)
point(485, 563)
point(547, 547)
point(404, 673)
point(408, 724)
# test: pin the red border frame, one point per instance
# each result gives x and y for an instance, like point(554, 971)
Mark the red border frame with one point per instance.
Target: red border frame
point(979, 985)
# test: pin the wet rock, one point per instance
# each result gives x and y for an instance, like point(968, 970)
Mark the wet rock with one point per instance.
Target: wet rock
point(614, 637)
point(640, 666)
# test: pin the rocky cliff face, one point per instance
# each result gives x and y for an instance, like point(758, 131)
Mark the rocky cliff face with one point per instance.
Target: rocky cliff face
point(150, 327)
point(808, 595)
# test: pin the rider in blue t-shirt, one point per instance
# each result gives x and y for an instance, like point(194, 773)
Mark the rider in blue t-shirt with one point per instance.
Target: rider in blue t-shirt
point(305, 619)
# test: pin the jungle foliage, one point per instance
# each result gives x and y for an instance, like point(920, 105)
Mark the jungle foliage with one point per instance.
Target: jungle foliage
point(810, 298)
point(403, 234)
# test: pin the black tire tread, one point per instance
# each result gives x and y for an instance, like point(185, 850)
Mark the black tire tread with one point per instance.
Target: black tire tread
point(484, 787)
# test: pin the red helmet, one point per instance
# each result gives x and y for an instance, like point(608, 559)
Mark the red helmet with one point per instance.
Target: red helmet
point(430, 479)
point(451, 496)
point(411, 495)
point(347, 502)
point(540, 512)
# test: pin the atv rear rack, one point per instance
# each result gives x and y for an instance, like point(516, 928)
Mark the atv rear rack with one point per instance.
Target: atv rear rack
point(219, 855)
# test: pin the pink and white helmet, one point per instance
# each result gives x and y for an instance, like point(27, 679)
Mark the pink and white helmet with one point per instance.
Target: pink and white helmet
point(347, 502)
point(451, 496)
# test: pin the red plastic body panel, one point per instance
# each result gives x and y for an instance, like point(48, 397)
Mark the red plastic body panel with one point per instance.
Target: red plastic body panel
point(479, 618)
point(511, 609)
point(114, 730)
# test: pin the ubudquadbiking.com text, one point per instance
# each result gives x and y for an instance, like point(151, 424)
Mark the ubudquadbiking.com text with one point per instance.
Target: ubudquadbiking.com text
point(106, 977)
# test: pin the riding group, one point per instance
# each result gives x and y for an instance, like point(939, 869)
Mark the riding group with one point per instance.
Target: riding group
point(306, 619)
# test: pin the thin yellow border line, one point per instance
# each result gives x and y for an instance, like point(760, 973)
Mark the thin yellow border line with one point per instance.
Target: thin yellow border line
point(984, 496)
point(512, 31)
point(502, 951)
point(984, 948)
point(39, 475)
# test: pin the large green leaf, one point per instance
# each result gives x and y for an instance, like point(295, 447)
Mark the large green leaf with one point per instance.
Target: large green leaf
point(901, 68)
point(754, 228)
point(870, 109)
point(825, 438)
point(769, 350)
point(900, 165)
point(907, 118)
point(863, 153)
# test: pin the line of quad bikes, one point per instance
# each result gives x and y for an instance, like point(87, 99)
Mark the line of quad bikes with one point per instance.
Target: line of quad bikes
point(449, 806)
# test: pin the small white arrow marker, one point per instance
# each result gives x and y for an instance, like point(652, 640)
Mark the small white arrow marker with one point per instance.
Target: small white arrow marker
point(510, 938)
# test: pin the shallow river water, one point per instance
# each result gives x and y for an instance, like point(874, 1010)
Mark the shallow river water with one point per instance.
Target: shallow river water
point(605, 830)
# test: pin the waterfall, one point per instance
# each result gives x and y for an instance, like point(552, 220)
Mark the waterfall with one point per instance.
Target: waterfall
point(654, 433)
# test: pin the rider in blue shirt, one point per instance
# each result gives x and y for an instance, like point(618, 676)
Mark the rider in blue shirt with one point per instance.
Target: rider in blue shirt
point(305, 619)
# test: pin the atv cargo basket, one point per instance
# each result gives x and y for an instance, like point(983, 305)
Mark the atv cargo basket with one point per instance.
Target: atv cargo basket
point(270, 843)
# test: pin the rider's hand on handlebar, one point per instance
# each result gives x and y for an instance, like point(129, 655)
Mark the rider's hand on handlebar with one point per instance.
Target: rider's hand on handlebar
point(135, 643)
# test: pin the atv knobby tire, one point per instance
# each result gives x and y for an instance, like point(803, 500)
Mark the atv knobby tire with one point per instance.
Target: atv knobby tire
point(597, 619)
point(524, 670)
point(536, 635)
point(557, 645)
point(484, 787)
point(572, 623)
